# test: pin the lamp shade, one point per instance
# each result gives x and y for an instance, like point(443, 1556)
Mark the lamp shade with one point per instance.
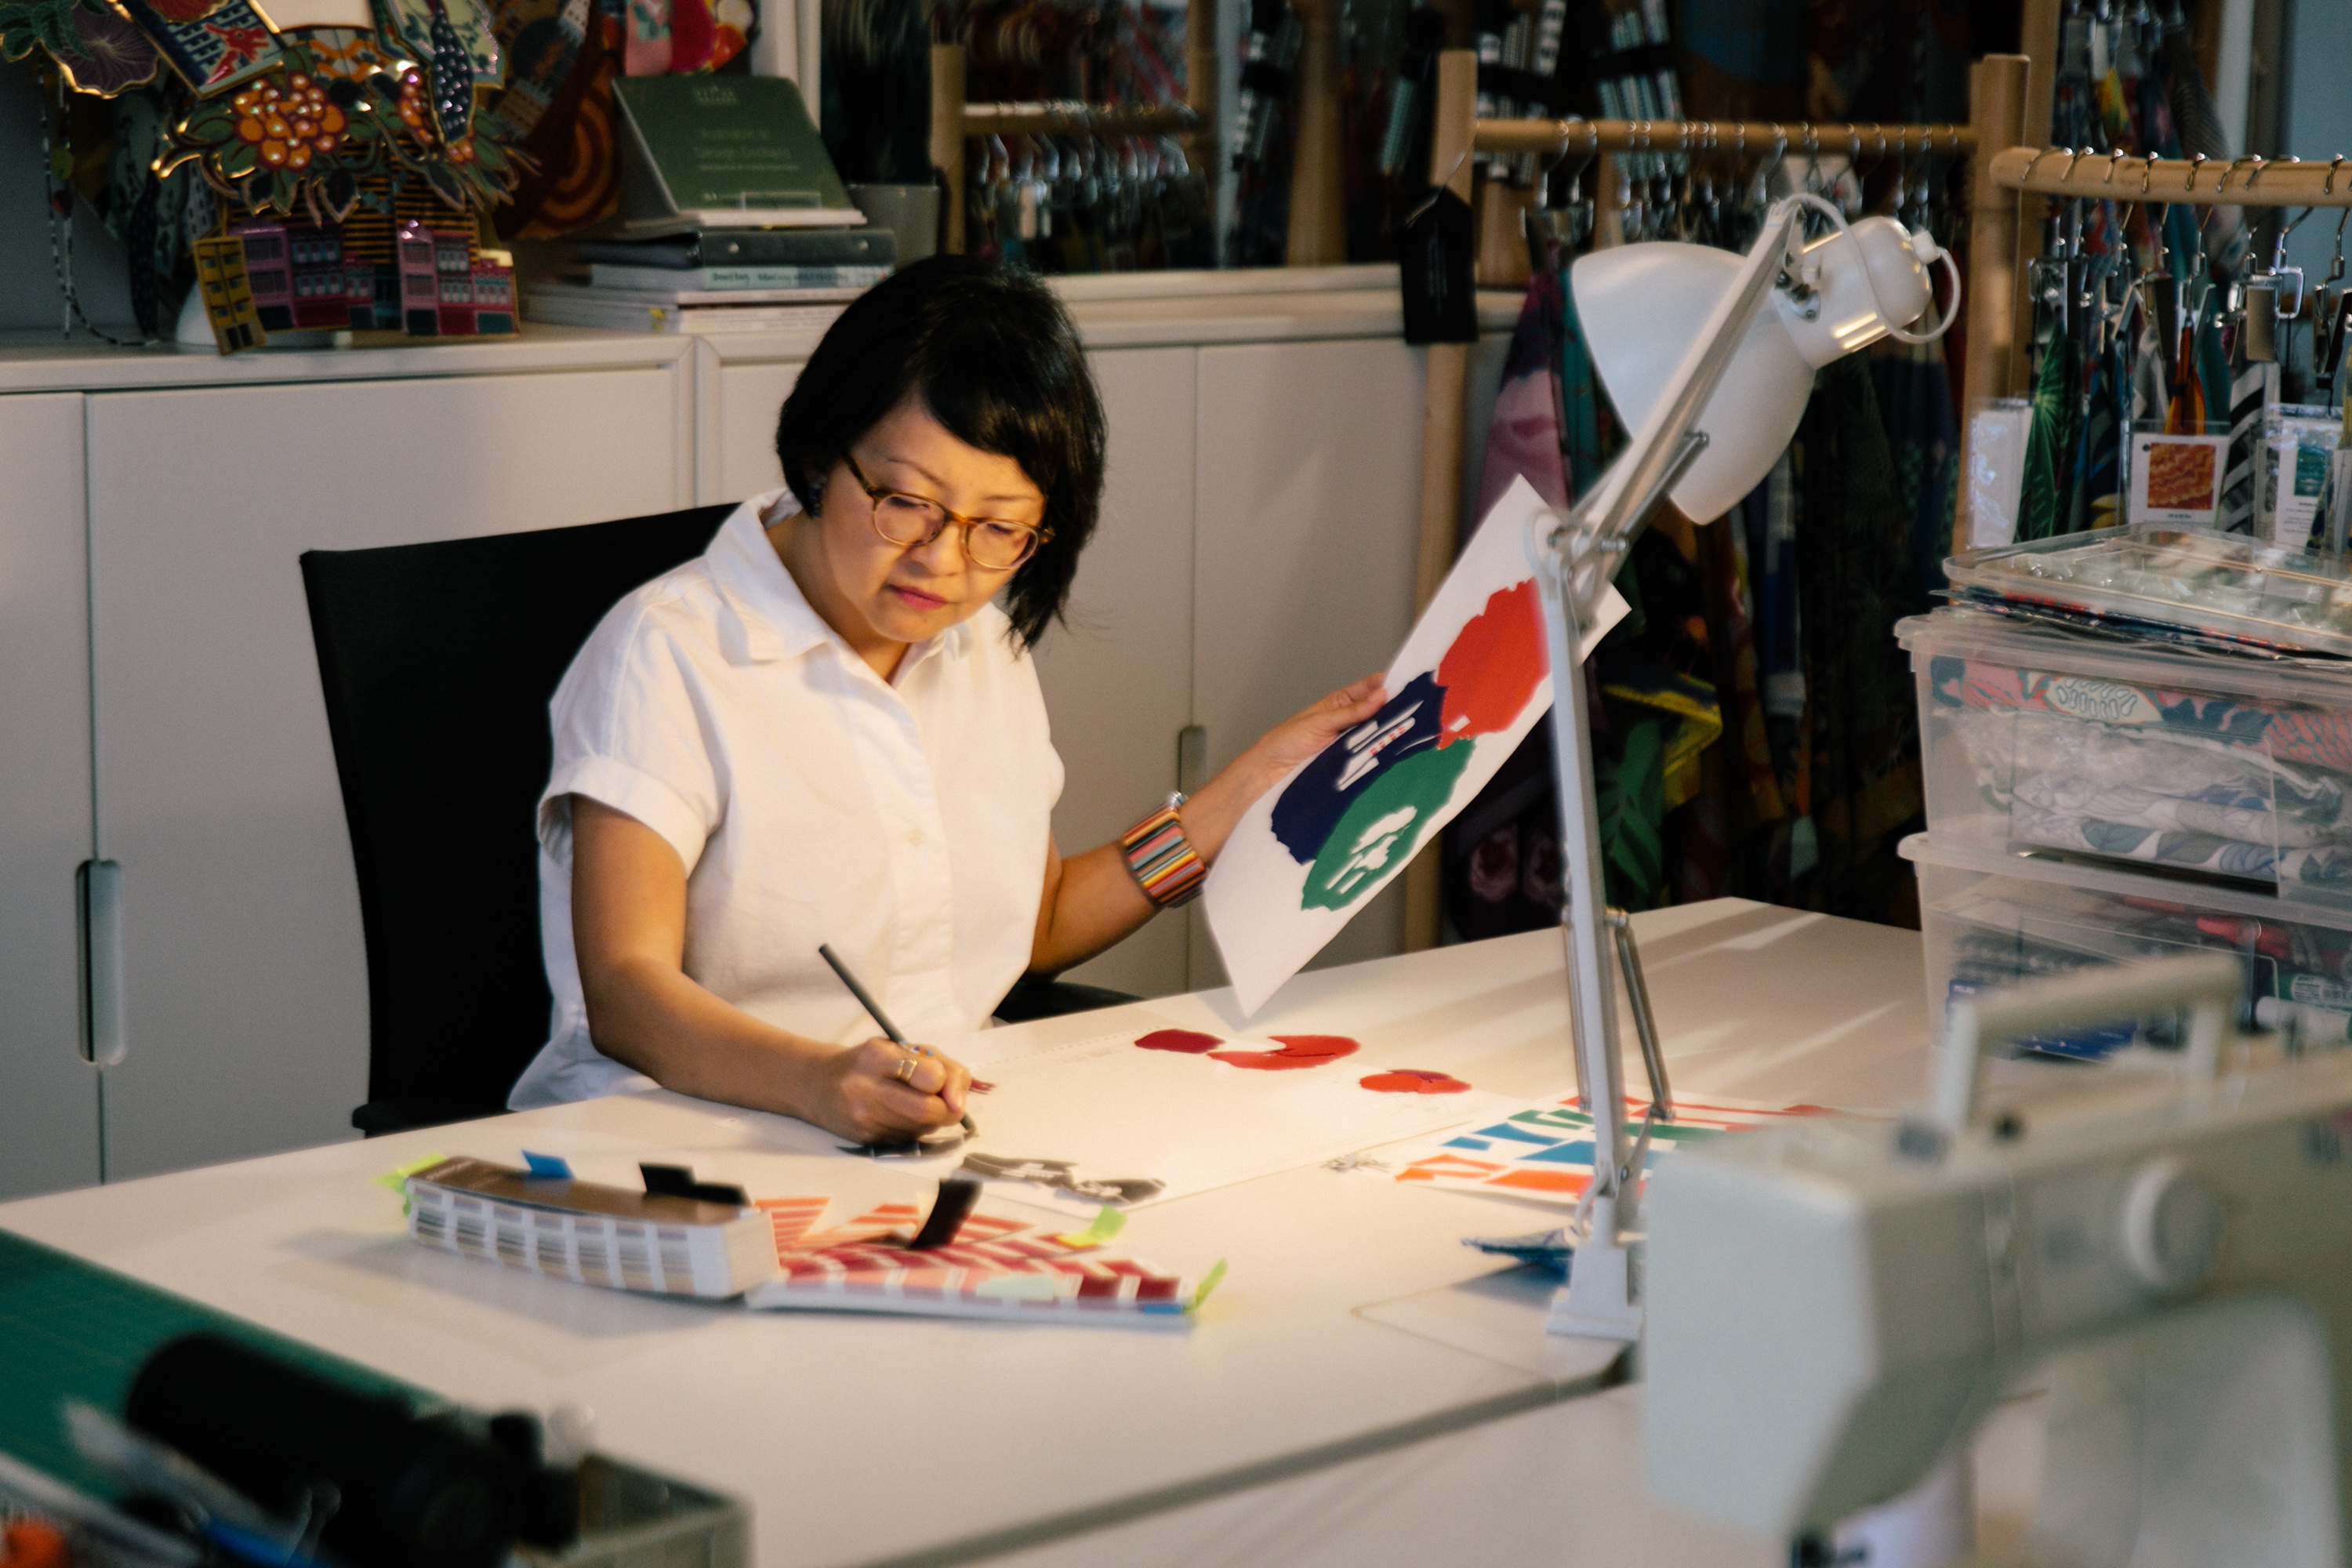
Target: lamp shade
point(1642, 306)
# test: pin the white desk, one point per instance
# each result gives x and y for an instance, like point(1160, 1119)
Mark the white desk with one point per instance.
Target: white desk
point(863, 1440)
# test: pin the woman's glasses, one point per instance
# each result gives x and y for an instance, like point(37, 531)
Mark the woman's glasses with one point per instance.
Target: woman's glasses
point(912, 521)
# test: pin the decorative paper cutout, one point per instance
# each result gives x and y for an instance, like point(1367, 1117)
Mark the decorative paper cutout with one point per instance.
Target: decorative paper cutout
point(213, 49)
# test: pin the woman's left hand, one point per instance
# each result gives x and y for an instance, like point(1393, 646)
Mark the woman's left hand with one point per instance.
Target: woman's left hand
point(1306, 732)
point(1210, 817)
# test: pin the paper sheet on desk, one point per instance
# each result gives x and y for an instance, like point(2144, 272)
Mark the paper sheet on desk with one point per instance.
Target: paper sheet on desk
point(1467, 686)
point(1545, 1151)
point(1193, 1119)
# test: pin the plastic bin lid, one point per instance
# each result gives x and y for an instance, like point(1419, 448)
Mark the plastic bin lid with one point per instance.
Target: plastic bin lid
point(2218, 584)
point(1959, 632)
point(1961, 850)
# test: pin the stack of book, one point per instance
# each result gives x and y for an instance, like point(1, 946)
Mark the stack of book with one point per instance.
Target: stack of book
point(718, 280)
point(730, 218)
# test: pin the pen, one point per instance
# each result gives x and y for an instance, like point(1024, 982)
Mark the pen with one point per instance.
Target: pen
point(873, 1009)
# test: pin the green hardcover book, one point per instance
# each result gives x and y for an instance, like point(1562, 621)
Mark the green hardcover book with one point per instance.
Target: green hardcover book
point(722, 151)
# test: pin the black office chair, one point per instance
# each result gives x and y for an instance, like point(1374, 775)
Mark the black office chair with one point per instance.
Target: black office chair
point(438, 661)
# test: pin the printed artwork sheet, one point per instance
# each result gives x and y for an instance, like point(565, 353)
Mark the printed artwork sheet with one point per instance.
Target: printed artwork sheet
point(1467, 686)
point(1157, 1111)
point(1545, 1151)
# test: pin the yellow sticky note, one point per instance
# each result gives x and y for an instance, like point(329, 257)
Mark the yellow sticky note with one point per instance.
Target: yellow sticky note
point(1108, 1222)
point(1216, 1276)
point(396, 1179)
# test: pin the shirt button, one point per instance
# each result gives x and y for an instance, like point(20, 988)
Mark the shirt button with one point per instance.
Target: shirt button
point(914, 836)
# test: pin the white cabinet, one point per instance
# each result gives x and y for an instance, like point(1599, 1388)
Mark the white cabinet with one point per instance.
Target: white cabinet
point(735, 425)
point(48, 1094)
point(1117, 675)
point(1307, 500)
point(247, 1009)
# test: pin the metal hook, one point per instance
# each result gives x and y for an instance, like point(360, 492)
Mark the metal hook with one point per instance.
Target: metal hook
point(2233, 167)
point(2147, 173)
point(2115, 162)
point(2196, 164)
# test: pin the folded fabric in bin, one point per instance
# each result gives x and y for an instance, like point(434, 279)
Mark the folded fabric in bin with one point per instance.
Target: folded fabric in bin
point(2286, 732)
point(2328, 869)
point(2067, 767)
point(2233, 815)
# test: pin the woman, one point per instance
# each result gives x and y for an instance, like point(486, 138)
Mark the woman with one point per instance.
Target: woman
point(825, 731)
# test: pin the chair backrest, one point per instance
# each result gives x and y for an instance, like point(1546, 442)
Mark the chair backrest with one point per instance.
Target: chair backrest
point(438, 661)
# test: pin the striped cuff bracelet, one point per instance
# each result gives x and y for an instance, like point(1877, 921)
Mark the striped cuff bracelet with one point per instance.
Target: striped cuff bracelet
point(1161, 859)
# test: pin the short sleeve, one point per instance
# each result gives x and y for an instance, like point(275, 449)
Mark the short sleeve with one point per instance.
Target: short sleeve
point(629, 733)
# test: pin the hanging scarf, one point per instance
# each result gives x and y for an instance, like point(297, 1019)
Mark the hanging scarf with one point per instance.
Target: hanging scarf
point(2044, 503)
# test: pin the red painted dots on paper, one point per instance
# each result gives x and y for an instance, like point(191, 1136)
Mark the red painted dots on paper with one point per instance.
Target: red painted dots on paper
point(1413, 1080)
point(1189, 1041)
point(1298, 1051)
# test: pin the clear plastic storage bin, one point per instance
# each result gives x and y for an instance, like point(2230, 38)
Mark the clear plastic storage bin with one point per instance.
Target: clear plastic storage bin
point(2237, 770)
point(1991, 918)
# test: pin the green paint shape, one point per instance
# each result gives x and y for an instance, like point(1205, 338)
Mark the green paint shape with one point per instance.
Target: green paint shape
point(1379, 832)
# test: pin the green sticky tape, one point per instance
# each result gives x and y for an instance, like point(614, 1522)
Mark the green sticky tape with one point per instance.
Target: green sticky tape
point(1216, 1276)
point(396, 1179)
point(1108, 1222)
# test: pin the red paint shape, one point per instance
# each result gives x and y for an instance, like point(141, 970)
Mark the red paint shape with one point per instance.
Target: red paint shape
point(1186, 1040)
point(1316, 1045)
point(1298, 1051)
point(1493, 665)
point(1412, 1080)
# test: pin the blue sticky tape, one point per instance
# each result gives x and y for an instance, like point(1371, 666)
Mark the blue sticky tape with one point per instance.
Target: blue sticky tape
point(547, 1167)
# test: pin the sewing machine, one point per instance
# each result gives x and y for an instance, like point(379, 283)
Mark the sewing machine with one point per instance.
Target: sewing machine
point(1834, 1304)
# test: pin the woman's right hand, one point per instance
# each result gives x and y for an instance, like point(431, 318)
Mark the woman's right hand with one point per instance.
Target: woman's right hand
point(865, 1093)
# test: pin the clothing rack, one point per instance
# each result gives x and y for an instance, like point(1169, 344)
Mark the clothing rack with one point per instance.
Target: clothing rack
point(1996, 118)
point(2021, 176)
point(953, 119)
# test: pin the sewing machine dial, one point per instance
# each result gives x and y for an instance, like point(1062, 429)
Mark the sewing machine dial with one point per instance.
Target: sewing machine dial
point(2171, 1224)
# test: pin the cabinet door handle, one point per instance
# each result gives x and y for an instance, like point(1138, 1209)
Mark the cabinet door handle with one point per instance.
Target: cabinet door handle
point(1192, 758)
point(98, 897)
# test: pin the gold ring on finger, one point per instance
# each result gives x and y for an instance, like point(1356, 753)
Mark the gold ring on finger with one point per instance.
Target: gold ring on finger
point(905, 1071)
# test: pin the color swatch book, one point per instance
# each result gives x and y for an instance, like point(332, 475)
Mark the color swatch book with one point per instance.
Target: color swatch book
point(544, 1220)
point(690, 1238)
point(1545, 1151)
point(995, 1267)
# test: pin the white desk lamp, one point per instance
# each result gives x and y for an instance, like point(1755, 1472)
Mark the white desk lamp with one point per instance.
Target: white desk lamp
point(1710, 358)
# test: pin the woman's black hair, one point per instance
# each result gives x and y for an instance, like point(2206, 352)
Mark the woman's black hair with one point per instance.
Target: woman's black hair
point(995, 358)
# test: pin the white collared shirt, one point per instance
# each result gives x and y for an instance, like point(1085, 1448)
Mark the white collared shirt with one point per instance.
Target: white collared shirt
point(905, 822)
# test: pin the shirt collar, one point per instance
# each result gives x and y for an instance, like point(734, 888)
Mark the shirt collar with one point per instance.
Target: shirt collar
point(773, 618)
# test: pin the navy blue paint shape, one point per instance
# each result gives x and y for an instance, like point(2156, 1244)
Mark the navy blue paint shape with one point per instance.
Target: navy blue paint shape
point(1312, 806)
